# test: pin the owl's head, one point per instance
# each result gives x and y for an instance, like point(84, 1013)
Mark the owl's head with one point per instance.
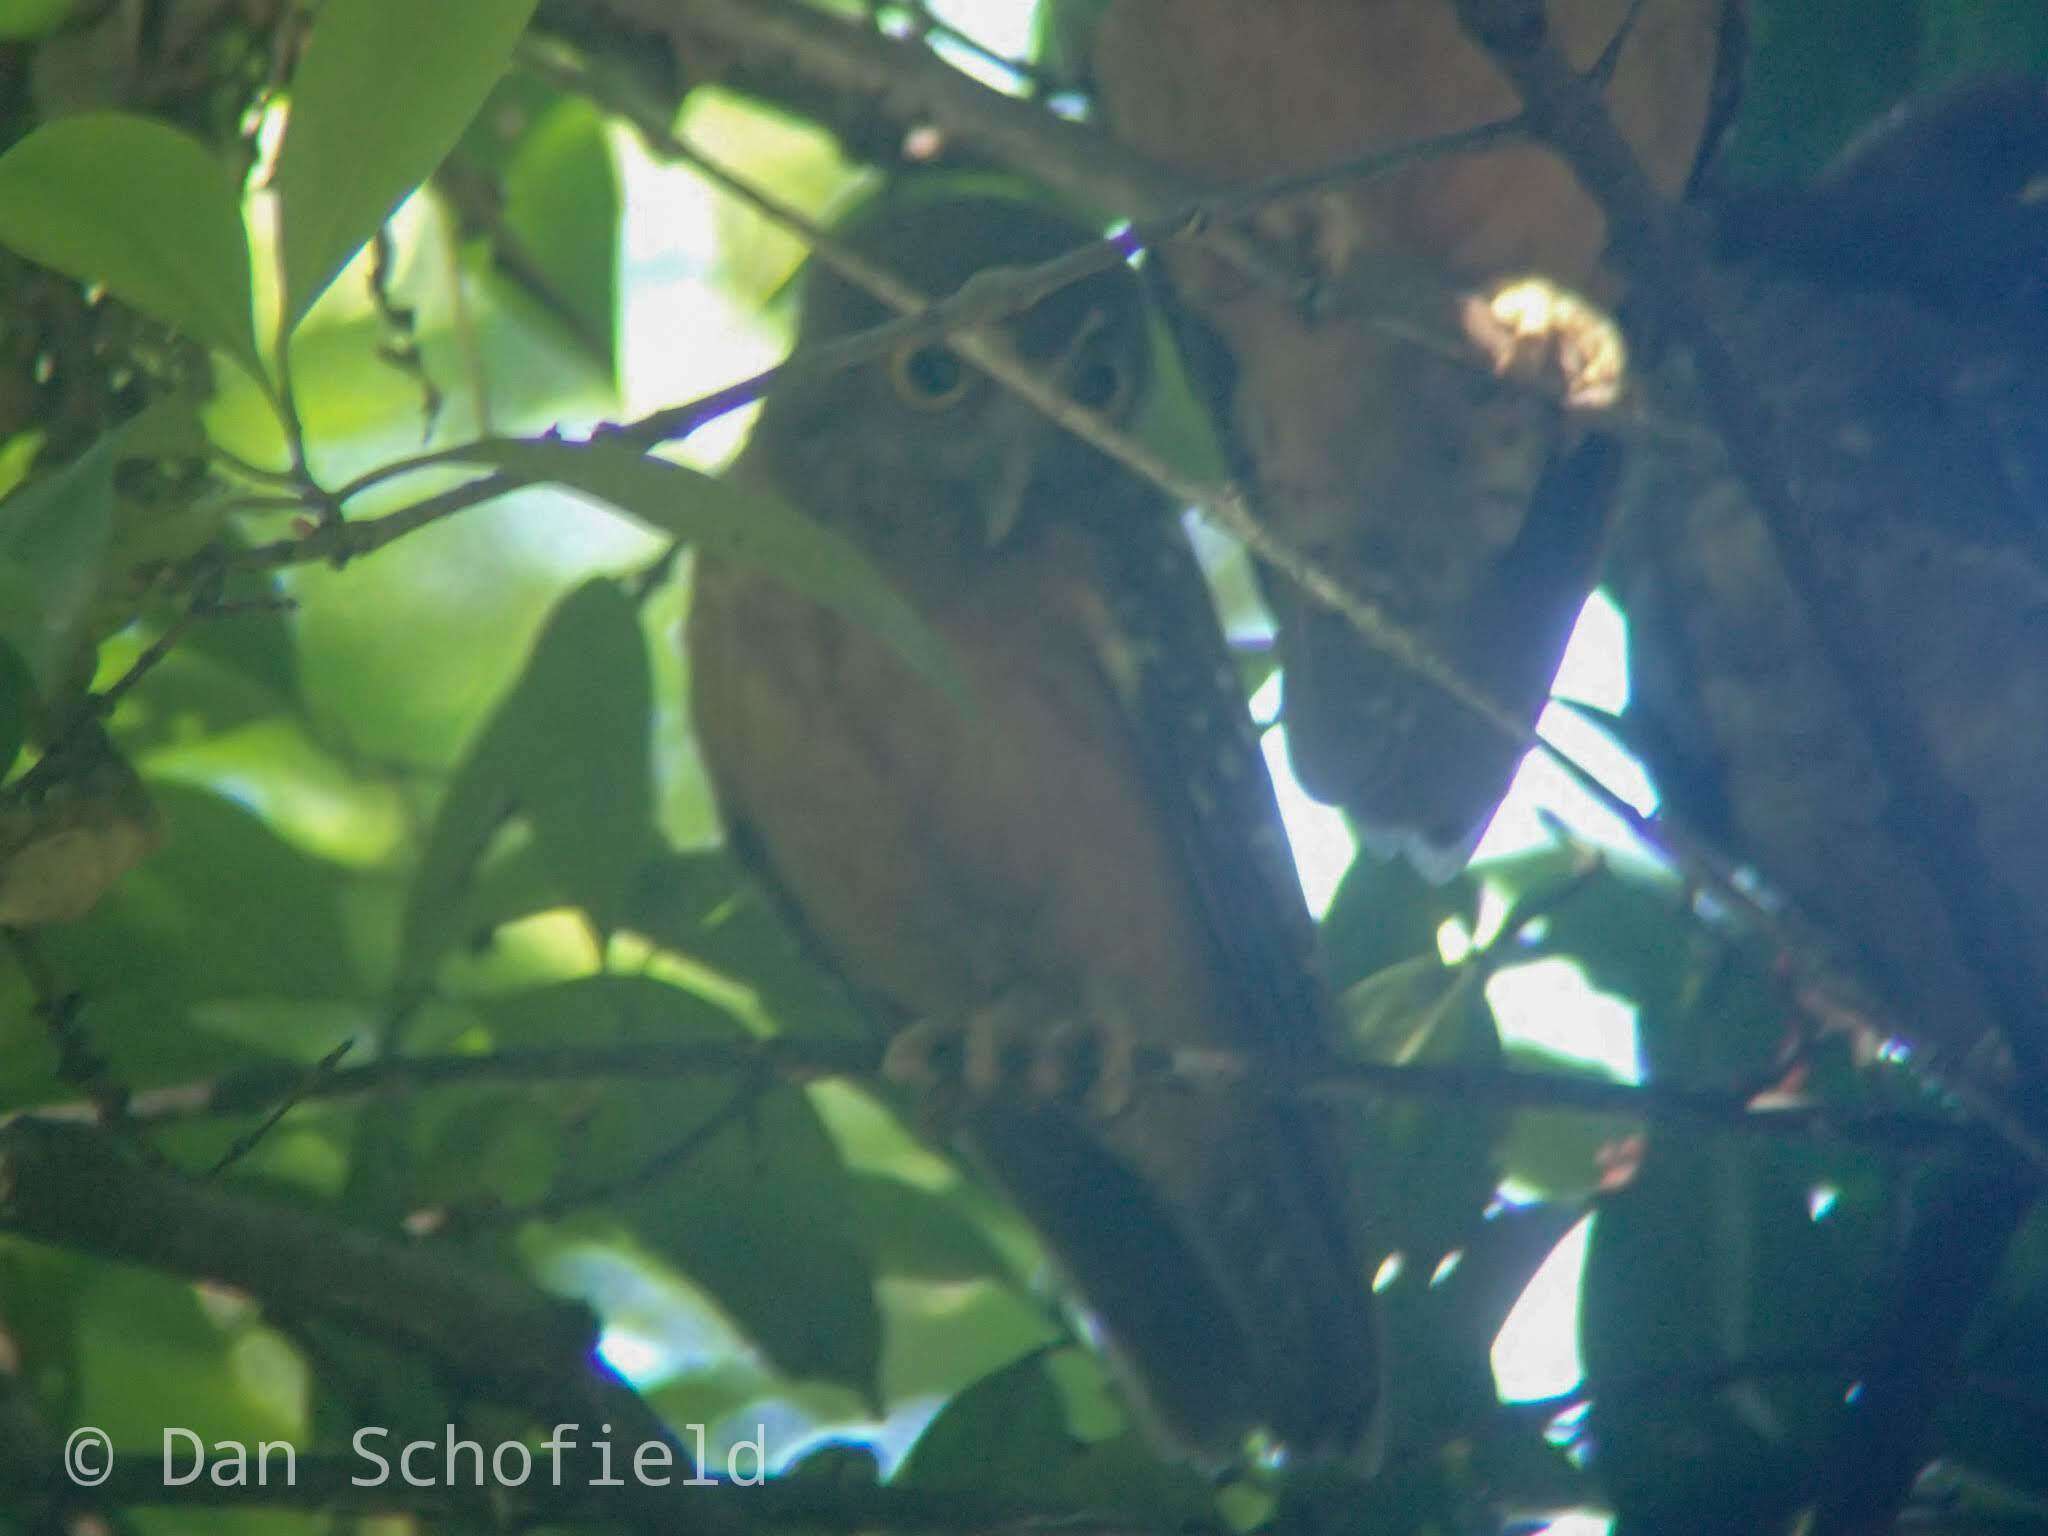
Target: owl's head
point(920, 449)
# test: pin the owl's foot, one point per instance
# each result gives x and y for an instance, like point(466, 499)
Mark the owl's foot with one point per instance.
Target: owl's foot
point(1020, 1048)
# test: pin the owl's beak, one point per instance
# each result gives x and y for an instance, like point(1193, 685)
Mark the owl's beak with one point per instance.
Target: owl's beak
point(1023, 431)
point(1020, 431)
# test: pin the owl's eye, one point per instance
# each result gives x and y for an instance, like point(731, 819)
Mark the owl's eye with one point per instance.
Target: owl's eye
point(929, 377)
point(1099, 383)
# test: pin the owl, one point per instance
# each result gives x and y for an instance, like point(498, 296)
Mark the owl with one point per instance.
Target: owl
point(1084, 847)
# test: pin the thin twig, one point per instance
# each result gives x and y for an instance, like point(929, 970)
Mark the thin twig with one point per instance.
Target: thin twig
point(249, 1140)
point(660, 1163)
point(794, 1059)
point(55, 762)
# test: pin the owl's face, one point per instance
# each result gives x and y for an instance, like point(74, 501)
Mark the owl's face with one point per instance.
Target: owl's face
point(920, 452)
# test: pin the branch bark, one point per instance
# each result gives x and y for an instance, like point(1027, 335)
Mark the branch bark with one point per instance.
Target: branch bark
point(255, 1090)
point(80, 1189)
point(910, 85)
point(1668, 270)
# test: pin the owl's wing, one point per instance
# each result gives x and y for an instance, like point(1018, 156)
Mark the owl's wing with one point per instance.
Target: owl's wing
point(1264, 1202)
point(1166, 659)
point(1168, 664)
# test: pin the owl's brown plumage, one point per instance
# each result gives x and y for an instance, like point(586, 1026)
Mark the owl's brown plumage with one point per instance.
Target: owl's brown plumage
point(1091, 837)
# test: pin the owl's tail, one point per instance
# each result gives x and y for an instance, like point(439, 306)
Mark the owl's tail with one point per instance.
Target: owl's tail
point(1210, 1257)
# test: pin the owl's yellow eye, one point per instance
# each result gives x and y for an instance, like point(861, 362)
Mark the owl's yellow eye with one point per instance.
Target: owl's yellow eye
point(928, 377)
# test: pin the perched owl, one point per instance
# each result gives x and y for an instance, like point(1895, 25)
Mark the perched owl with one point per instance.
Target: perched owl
point(1088, 842)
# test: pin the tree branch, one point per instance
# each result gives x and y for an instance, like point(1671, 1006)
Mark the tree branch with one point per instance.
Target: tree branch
point(1667, 268)
point(254, 1090)
point(909, 84)
point(77, 1188)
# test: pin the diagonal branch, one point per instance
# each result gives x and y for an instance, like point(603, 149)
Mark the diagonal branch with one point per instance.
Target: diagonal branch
point(911, 85)
point(79, 1189)
point(1667, 268)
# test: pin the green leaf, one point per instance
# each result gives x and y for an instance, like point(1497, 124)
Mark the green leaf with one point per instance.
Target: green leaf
point(913, 1231)
point(757, 257)
point(1173, 421)
point(1556, 1152)
point(1712, 1259)
point(1001, 1435)
point(1010, 1433)
point(1421, 1170)
point(1383, 914)
point(567, 753)
point(384, 90)
point(610, 1006)
point(152, 1354)
point(17, 692)
point(759, 1211)
point(701, 904)
point(32, 18)
point(562, 212)
point(489, 1149)
point(46, 1289)
point(1063, 38)
point(58, 539)
point(746, 525)
point(232, 675)
point(1441, 1322)
point(18, 455)
point(763, 1216)
point(225, 910)
point(120, 200)
point(54, 540)
point(1416, 1010)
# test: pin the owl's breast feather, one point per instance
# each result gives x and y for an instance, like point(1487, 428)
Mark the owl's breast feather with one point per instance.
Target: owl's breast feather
point(948, 848)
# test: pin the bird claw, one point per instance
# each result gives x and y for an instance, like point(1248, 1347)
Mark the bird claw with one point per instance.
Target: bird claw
point(1020, 1048)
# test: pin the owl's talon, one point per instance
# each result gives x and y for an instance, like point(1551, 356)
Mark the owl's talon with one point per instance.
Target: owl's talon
point(914, 1056)
point(1021, 1049)
point(1052, 1076)
point(1113, 1060)
point(926, 1058)
point(1116, 1069)
point(1000, 1046)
